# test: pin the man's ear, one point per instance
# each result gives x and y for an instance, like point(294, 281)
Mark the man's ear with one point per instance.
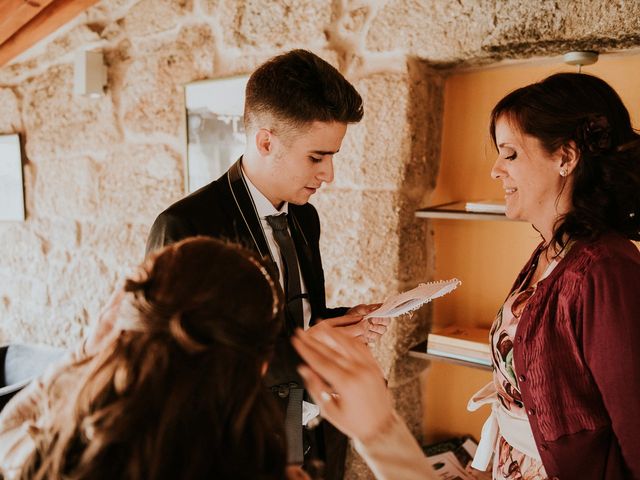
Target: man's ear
point(570, 156)
point(264, 142)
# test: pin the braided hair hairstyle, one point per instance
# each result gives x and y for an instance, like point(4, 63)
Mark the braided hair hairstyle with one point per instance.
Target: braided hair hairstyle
point(585, 112)
point(179, 392)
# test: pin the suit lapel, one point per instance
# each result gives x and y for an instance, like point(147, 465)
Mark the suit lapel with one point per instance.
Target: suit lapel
point(251, 229)
point(246, 211)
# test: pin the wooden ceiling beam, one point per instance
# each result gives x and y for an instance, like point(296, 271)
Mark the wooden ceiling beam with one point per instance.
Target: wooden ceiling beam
point(14, 14)
point(51, 17)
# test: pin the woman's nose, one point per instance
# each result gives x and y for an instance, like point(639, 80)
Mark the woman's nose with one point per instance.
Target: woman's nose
point(497, 171)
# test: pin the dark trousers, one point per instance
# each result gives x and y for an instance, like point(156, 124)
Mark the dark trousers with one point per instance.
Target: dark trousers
point(328, 446)
point(325, 447)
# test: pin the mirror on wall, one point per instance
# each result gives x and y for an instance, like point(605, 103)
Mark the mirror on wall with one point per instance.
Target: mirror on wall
point(11, 187)
point(215, 128)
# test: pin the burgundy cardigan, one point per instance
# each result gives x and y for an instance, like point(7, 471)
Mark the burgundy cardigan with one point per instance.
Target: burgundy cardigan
point(577, 355)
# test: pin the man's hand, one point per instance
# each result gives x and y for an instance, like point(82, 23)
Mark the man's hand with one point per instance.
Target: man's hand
point(377, 326)
point(352, 324)
point(363, 309)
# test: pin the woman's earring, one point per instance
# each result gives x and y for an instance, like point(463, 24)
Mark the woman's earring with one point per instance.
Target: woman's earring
point(563, 172)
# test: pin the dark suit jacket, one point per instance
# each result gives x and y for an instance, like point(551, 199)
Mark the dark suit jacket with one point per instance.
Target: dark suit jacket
point(224, 209)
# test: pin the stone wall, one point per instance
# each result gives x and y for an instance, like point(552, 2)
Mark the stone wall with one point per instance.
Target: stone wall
point(97, 171)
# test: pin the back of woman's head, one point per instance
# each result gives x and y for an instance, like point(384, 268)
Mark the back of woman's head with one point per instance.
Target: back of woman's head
point(583, 112)
point(207, 292)
point(178, 394)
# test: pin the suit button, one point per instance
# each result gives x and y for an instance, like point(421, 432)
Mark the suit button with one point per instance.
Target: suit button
point(522, 378)
point(283, 391)
point(519, 339)
point(543, 447)
point(531, 412)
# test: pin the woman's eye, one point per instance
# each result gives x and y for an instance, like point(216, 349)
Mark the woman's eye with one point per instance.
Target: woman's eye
point(512, 156)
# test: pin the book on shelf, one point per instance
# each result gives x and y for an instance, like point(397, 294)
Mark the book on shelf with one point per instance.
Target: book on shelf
point(468, 356)
point(469, 344)
point(468, 338)
point(485, 206)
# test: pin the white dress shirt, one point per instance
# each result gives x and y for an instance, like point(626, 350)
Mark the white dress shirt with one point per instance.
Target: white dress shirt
point(265, 208)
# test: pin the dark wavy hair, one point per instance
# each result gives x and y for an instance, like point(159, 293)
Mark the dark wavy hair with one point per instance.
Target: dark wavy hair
point(298, 88)
point(585, 110)
point(179, 393)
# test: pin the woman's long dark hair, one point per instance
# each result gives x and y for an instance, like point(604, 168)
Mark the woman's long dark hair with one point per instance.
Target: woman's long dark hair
point(179, 394)
point(580, 108)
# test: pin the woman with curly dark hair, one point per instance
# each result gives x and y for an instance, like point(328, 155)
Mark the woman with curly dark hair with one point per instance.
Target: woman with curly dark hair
point(173, 386)
point(566, 342)
point(569, 163)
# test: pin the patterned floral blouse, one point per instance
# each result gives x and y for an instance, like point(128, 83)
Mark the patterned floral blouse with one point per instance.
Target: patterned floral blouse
point(509, 463)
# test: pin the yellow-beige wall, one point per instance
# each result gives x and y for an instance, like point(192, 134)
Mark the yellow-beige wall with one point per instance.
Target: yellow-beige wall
point(486, 255)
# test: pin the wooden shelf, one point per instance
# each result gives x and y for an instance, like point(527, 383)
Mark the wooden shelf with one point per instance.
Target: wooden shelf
point(420, 351)
point(457, 211)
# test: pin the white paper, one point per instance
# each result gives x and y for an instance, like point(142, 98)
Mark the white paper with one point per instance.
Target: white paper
point(470, 446)
point(410, 300)
point(447, 466)
point(309, 412)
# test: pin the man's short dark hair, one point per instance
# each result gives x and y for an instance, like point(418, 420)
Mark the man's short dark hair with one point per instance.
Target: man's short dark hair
point(298, 88)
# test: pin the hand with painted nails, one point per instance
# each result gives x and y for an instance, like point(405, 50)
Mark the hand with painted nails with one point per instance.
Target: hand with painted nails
point(351, 325)
point(343, 377)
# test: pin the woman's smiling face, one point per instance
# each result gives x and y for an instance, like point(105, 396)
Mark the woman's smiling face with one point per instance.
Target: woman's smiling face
point(534, 189)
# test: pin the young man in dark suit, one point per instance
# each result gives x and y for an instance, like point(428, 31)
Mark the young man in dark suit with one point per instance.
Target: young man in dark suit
point(297, 111)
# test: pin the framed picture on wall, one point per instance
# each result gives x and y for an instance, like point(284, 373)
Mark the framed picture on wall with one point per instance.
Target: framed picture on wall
point(215, 128)
point(11, 186)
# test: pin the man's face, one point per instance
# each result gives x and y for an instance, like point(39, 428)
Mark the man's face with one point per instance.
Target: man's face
point(302, 161)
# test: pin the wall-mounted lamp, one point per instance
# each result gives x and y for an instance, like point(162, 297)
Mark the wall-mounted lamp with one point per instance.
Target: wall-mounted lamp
point(580, 58)
point(90, 74)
